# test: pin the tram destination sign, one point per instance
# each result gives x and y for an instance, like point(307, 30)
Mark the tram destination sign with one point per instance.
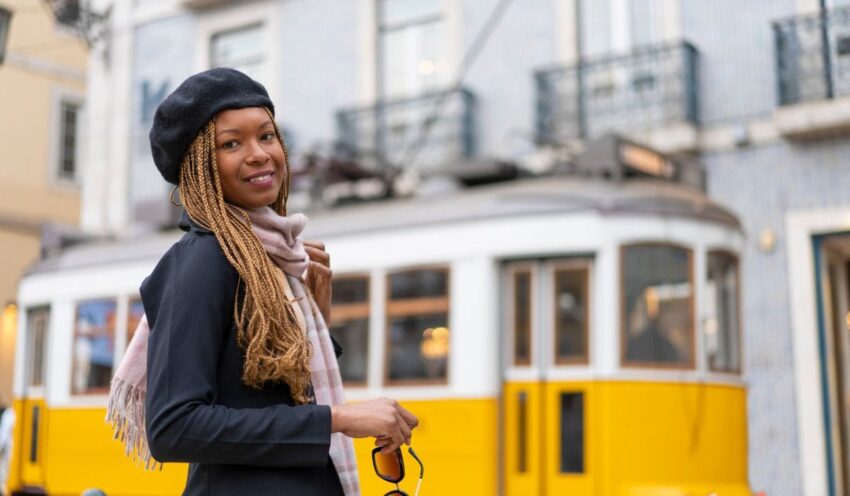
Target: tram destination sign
point(645, 161)
point(617, 158)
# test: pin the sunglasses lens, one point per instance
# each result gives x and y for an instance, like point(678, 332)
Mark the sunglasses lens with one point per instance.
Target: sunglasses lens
point(388, 466)
point(396, 493)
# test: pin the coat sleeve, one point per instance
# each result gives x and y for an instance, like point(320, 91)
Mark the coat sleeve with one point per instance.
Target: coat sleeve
point(189, 302)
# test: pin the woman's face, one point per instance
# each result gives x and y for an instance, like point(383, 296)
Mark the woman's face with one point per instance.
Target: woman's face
point(251, 163)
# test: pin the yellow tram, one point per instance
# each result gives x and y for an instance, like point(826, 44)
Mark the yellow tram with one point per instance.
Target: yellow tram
point(575, 334)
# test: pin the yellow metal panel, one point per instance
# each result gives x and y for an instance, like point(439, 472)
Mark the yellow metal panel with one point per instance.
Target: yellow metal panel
point(569, 483)
point(457, 442)
point(527, 480)
point(81, 453)
point(31, 472)
point(685, 436)
point(641, 439)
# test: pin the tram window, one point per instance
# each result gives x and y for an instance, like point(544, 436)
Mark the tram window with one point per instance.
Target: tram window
point(722, 327)
point(134, 316)
point(350, 326)
point(522, 317)
point(572, 433)
point(94, 344)
point(417, 317)
point(571, 315)
point(419, 284)
point(657, 314)
point(37, 321)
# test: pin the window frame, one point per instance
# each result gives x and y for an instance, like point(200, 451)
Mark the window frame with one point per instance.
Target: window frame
point(356, 311)
point(100, 391)
point(584, 265)
point(60, 98)
point(431, 308)
point(691, 364)
point(383, 28)
point(236, 17)
point(513, 271)
point(260, 26)
point(738, 300)
point(30, 349)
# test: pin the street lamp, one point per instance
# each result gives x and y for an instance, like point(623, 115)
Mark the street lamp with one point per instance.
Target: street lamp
point(5, 20)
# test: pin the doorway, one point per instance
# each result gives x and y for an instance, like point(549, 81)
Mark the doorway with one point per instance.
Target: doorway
point(832, 255)
point(545, 423)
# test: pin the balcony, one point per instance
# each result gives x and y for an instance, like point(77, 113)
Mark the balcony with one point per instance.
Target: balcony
point(431, 131)
point(813, 71)
point(649, 95)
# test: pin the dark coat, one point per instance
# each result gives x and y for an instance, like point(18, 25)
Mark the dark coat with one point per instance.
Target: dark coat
point(238, 440)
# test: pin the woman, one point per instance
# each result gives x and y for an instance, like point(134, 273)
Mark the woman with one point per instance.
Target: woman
point(242, 381)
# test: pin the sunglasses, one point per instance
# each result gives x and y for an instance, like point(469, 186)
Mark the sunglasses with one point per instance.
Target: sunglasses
point(390, 467)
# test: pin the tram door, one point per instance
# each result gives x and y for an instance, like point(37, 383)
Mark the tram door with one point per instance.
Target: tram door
point(32, 416)
point(546, 407)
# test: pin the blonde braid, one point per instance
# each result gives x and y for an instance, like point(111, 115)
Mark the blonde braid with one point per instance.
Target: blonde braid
point(275, 346)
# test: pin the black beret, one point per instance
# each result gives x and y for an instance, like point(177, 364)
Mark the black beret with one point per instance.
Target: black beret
point(185, 112)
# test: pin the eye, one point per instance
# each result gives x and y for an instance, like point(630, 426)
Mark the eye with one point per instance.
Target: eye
point(269, 137)
point(229, 145)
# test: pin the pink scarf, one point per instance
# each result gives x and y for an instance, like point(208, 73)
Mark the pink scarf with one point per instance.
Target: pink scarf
point(280, 237)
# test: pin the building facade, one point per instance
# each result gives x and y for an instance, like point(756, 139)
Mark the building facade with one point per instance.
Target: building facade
point(755, 90)
point(42, 90)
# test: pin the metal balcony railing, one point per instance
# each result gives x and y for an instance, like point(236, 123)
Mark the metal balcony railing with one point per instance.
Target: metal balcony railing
point(813, 56)
point(651, 87)
point(428, 131)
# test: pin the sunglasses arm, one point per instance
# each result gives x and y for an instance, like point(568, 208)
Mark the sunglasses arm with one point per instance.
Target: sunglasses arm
point(421, 470)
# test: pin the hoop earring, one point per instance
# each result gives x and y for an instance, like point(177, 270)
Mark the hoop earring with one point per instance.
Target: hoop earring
point(171, 197)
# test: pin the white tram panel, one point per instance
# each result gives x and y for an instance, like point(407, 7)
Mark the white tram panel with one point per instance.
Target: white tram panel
point(470, 232)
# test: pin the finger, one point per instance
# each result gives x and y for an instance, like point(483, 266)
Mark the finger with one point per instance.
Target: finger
point(319, 271)
point(397, 440)
point(409, 418)
point(314, 243)
point(382, 441)
point(318, 255)
point(405, 430)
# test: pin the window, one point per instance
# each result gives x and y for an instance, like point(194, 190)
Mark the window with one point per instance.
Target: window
point(418, 316)
point(37, 321)
point(68, 129)
point(522, 432)
point(522, 317)
point(350, 326)
point(722, 326)
point(134, 315)
point(616, 26)
point(571, 314)
point(657, 306)
point(572, 433)
point(411, 37)
point(94, 347)
point(241, 49)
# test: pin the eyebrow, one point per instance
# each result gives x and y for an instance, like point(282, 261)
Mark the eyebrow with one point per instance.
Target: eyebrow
point(236, 131)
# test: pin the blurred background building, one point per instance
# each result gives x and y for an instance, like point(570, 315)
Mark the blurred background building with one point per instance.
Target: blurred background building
point(388, 98)
point(42, 90)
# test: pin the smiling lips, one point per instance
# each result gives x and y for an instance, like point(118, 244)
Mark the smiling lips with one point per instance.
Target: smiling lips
point(261, 178)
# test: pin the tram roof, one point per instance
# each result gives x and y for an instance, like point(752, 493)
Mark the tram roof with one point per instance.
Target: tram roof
point(521, 197)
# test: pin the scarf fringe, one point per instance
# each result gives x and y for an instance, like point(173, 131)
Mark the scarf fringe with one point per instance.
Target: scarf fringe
point(126, 414)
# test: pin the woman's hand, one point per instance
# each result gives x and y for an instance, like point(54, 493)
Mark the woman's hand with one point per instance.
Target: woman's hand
point(319, 277)
point(384, 419)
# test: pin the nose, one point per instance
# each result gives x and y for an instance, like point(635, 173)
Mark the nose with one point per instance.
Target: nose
point(257, 155)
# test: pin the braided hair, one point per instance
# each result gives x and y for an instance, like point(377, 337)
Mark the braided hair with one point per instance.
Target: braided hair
point(268, 332)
